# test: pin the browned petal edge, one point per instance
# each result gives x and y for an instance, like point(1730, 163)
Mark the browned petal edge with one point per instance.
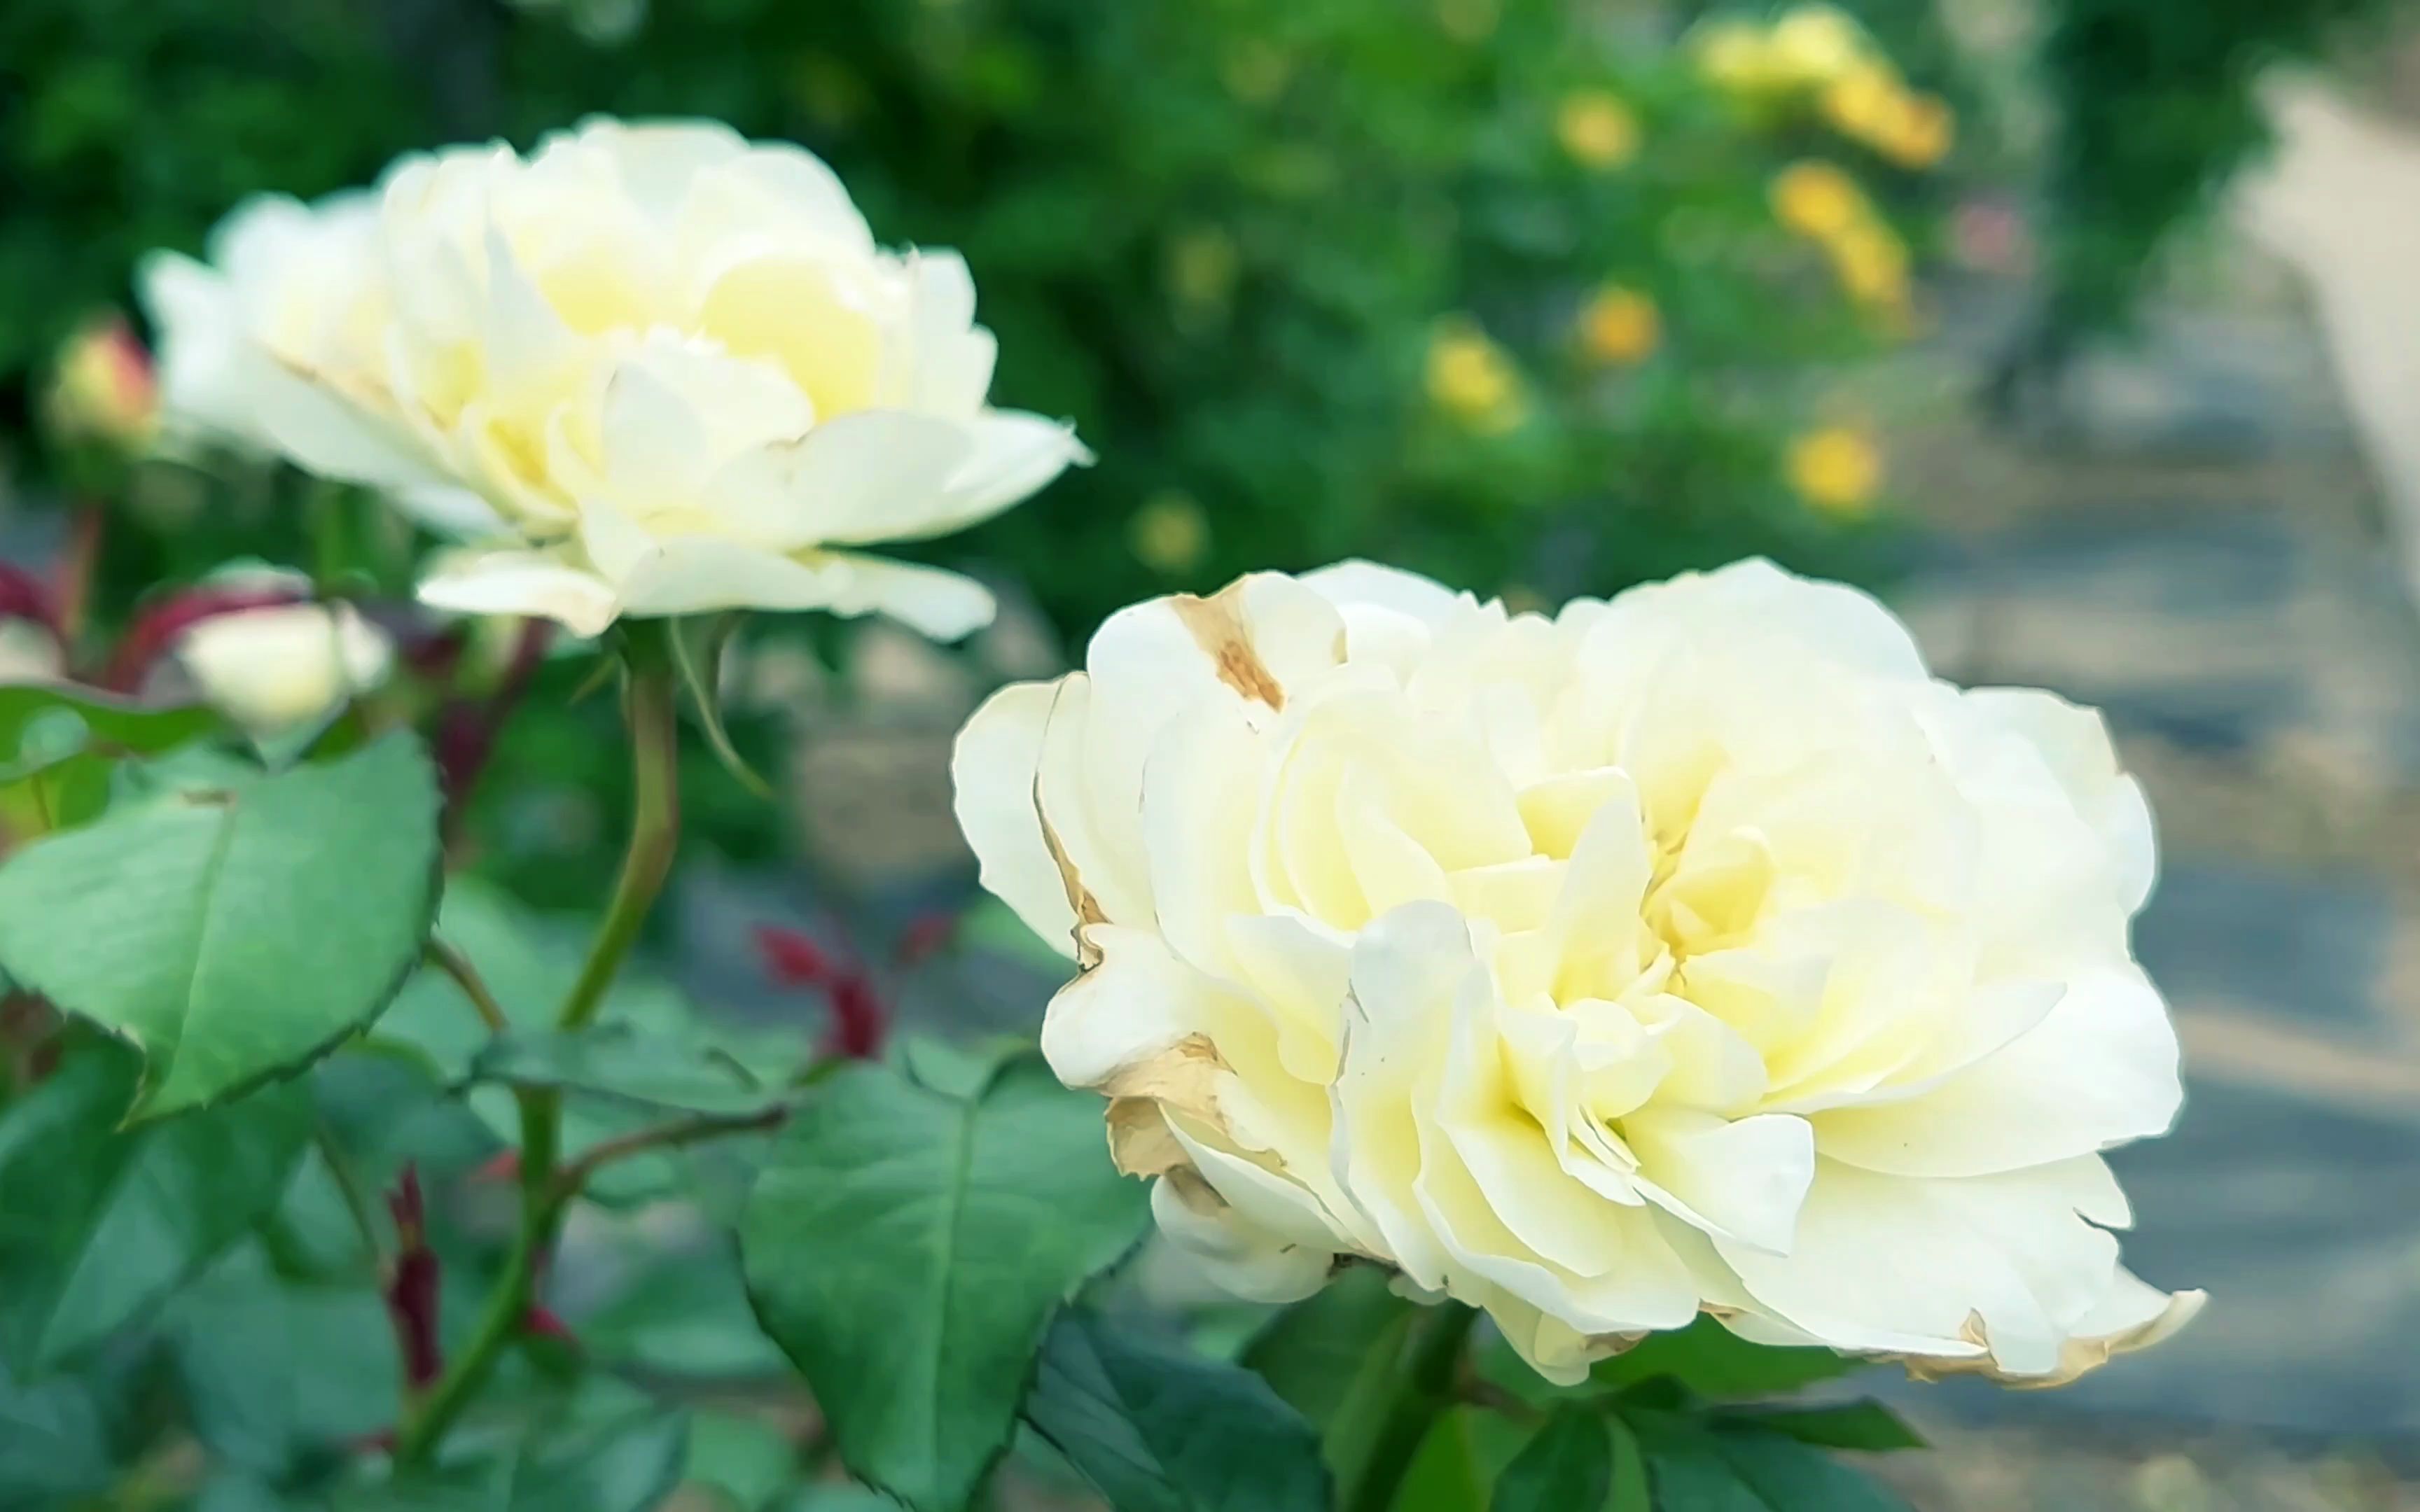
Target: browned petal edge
point(1217, 626)
point(1080, 901)
point(2077, 1357)
point(1139, 1141)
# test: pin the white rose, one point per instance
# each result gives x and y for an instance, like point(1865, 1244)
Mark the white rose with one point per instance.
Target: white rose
point(657, 370)
point(29, 653)
point(283, 668)
point(1694, 952)
point(287, 287)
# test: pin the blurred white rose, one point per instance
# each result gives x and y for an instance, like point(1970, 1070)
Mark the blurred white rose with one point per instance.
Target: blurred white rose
point(287, 287)
point(657, 370)
point(29, 652)
point(285, 666)
point(1694, 952)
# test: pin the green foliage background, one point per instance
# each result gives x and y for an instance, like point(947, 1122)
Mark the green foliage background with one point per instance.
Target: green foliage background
point(1218, 236)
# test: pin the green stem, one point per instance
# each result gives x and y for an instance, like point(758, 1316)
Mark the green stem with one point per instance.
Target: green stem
point(655, 818)
point(327, 518)
point(655, 832)
point(1432, 1364)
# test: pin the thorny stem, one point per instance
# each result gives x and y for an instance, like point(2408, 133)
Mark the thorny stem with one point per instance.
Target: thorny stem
point(474, 989)
point(652, 712)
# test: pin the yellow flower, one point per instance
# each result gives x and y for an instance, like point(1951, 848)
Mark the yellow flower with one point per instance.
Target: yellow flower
point(1872, 264)
point(1814, 45)
point(103, 389)
point(1597, 129)
point(1920, 133)
point(1621, 326)
point(1837, 471)
point(1169, 533)
point(1862, 103)
point(1733, 55)
point(1818, 200)
point(1472, 378)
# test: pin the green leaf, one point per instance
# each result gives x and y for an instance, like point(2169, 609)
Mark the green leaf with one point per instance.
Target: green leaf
point(697, 656)
point(57, 1438)
point(1714, 1361)
point(906, 1249)
point(1459, 1461)
point(626, 1464)
point(685, 1315)
point(1727, 1468)
point(1630, 1488)
point(273, 1370)
point(1161, 1429)
point(745, 1461)
point(1335, 1356)
point(1867, 1425)
point(1567, 1467)
point(530, 961)
point(617, 1062)
point(100, 1223)
point(45, 724)
point(233, 936)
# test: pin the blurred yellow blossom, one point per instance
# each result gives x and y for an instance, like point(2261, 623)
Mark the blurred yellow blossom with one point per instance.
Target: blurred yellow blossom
point(1169, 533)
point(1256, 72)
point(1469, 21)
point(1837, 471)
point(1203, 264)
point(1813, 44)
point(1817, 200)
point(1619, 326)
point(1597, 129)
point(1872, 265)
point(1863, 102)
point(1734, 55)
point(1472, 378)
point(1920, 132)
point(103, 389)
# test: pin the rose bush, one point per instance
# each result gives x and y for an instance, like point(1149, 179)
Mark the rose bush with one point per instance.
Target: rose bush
point(647, 370)
point(1690, 951)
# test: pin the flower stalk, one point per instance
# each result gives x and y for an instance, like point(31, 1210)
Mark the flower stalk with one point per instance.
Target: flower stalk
point(652, 713)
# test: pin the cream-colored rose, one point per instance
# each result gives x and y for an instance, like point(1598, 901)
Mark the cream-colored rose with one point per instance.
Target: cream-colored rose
point(286, 287)
point(29, 653)
point(1694, 952)
point(283, 668)
point(655, 370)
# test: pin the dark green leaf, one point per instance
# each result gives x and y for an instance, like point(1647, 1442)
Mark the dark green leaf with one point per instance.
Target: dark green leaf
point(1335, 1357)
point(1714, 1361)
point(100, 1223)
point(1727, 1468)
point(686, 1315)
point(906, 1248)
point(1869, 1425)
point(232, 935)
point(627, 1464)
point(57, 1436)
point(1161, 1429)
point(1567, 1467)
point(615, 1061)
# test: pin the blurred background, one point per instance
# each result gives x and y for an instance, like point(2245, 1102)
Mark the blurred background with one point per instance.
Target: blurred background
point(2086, 330)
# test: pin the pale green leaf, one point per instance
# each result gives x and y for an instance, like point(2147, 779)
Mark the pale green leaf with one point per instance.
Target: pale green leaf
point(1714, 1361)
point(621, 1064)
point(1336, 1357)
point(232, 935)
point(1727, 1468)
point(906, 1248)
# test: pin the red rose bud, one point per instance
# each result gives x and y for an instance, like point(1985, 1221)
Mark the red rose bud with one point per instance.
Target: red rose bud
point(925, 936)
point(790, 958)
point(22, 597)
point(505, 1165)
point(540, 1322)
point(104, 390)
point(412, 1285)
point(861, 1023)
